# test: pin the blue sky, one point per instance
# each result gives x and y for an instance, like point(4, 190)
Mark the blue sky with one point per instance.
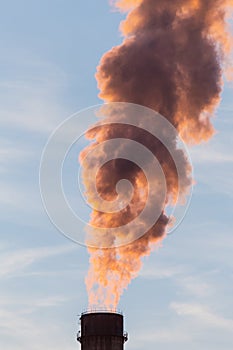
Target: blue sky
point(183, 296)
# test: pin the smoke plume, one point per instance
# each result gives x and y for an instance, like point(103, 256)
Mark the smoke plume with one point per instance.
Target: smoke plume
point(172, 60)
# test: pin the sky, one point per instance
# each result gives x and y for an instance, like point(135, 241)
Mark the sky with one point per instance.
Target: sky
point(183, 295)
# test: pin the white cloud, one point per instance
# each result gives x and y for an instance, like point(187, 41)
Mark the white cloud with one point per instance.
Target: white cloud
point(160, 271)
point(30, 100)
point(13, 262)
point(195, 286)
point(202, 314)
point(208, 154)
point(20, 331)
point(162, 336)
point(21, 198)
point(32, 303)
point(11, 155)
point(183, 277)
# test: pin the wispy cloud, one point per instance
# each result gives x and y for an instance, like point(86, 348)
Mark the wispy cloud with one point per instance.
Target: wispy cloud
point(30, 100)
point(202, 314)
point(182, 276)
point(195, 286)
point(12, 155)
point(207, 154)
point(22, 331)
point(32, 303)
point(23, 199)
point(13, 262)
point(163, 335)
point(161, 271)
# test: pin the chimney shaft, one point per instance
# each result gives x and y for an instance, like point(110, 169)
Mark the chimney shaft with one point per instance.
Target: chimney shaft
point(102, 331)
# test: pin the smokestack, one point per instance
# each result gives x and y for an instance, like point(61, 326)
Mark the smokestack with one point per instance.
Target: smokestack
point(102, 331)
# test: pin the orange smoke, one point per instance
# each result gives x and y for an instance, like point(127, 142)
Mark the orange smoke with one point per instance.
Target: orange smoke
point(172, 60)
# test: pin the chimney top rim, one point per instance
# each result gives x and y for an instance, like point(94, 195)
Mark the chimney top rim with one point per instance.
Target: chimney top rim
point(102, 311)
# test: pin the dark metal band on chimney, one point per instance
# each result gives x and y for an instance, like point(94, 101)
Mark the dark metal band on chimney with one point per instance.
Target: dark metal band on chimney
point(102, 331)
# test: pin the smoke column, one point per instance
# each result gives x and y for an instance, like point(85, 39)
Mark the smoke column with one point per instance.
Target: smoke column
point(172, 60)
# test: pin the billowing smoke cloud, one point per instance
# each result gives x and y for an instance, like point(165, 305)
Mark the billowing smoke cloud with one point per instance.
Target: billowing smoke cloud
point(172, 60)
